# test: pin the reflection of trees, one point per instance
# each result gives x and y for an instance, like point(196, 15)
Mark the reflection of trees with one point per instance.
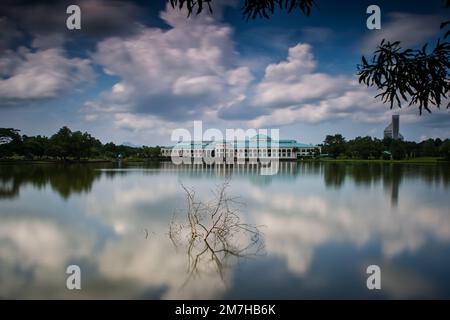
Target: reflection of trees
point(390, 175)
point(213, 233)
point(64, 179)
point(334, 175)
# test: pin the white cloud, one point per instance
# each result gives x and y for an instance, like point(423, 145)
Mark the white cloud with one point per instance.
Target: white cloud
point(192, 71)
point(144, 123)
point(181, 74)
point(300, 60)
point(294, 92)
point(295, 229)
point(41, 248)
point(40, 74)
point(178, 73)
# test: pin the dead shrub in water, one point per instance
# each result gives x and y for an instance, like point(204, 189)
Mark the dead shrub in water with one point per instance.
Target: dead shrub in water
point(213, 233)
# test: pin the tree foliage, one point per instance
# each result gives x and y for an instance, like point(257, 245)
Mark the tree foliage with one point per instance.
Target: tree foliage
point(251, 9)
point(444, 149)
point(264, 8)
point(365, 148)
point(66, 145)
point(196, 6)
point(417, 76)
point(334, 145)
point(337, 146)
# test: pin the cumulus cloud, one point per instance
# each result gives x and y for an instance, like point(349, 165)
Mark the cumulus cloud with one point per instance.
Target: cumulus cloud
point(292, 91)
point(31, 75)
point(176, 74)
point(183, 73)
point(192, 71)
point(293, 82)
point(40, 67)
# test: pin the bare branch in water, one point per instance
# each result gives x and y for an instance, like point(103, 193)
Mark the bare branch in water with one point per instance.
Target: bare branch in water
point(213, 232)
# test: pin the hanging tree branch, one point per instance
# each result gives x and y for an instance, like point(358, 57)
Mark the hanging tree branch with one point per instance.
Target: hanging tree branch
point(416, 76)
point(251, 9)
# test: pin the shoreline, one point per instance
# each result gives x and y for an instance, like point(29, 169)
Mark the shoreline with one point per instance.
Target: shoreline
point(424, 160)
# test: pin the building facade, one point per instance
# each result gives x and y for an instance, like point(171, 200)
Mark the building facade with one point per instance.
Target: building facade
point(257, 147)
point(392, 131)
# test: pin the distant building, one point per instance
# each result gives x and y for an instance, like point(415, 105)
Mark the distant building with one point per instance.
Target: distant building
point(259, 146)
point(392, 131)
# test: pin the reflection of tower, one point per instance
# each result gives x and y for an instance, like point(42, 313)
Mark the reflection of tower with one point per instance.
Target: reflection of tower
point(392, 131)
point(392, 178)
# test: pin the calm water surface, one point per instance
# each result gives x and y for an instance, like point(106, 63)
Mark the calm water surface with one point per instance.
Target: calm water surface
point(321, 226)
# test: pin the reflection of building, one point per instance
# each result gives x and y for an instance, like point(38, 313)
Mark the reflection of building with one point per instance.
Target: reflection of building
point(286, 169)
point(392, 131)
point(259, 146)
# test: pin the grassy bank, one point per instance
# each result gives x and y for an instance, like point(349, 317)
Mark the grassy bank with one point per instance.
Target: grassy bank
point(418, 160)
point(74, 161)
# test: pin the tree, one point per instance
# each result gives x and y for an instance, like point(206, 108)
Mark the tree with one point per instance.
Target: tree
point(60, 143)
point(334, 145)
point(10, 141)
point(365, 147)
point(412, 149)
point(34, 146)
point(83, 145)
point(428, 148)
point(444, 149)
point(7, 135)
point(110, 150)
point(397, 150)
point(151, 152)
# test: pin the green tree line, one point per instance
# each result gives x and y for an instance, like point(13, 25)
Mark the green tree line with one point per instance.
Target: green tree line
point(69, 145)
point(336, 146)
point(66, 145)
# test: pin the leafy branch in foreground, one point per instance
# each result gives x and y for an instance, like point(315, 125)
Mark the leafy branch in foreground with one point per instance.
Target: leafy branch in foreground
point(191, 5)
point(213, 233)
point(415, 75)
point(262, 8)
point(251, 8)
point(411, 75)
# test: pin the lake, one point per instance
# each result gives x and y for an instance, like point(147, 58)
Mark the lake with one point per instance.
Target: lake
point(320, 225)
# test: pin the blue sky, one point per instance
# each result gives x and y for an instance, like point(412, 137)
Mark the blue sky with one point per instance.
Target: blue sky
point(138, 70)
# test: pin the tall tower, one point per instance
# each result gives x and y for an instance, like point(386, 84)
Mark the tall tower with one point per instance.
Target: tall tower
point(395, 126)
point(393, 129)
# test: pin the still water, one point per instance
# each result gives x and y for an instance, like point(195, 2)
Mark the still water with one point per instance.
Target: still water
point(320, 226)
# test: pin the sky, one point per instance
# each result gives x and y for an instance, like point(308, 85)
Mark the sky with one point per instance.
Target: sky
point(137, 70)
